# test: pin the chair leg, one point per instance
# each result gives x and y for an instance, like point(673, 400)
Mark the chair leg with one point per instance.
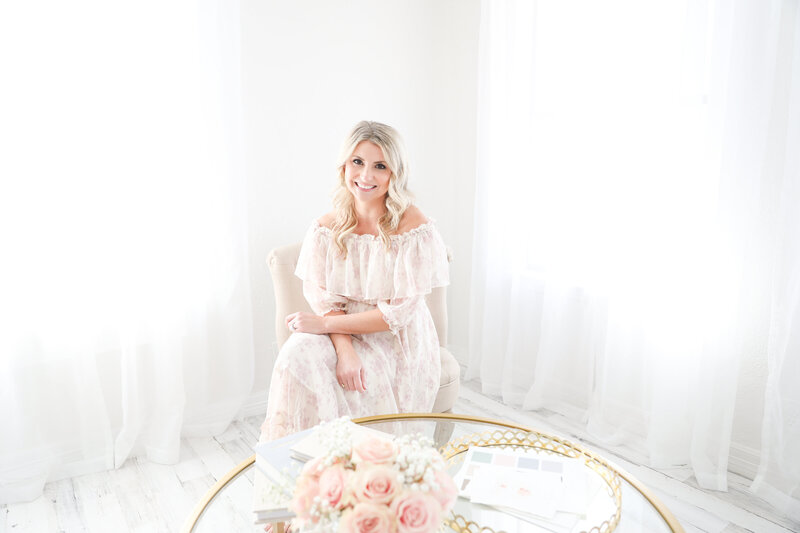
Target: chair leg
point(443, 431)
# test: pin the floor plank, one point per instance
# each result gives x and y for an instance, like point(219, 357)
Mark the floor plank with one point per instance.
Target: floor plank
point(68, 515)
point(144, 497)
point(38, 515)
point(97, 498)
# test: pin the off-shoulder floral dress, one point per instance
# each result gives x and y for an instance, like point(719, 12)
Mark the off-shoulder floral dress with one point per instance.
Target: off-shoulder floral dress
point(401, 365)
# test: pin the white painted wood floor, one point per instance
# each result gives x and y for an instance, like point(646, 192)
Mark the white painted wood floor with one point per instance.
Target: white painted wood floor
point(144, 497)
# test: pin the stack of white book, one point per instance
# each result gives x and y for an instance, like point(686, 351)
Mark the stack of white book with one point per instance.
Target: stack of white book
point(276, 468)
point(278, 464)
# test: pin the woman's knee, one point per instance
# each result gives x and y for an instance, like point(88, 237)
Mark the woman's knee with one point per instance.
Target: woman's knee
point(303, 349)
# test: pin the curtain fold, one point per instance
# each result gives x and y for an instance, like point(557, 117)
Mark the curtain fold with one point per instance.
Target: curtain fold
point(125, 309)
point(635, 228)
point(778, 478)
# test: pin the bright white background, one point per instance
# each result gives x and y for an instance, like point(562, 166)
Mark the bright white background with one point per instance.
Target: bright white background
point(636, 248)
point(150, 157)
point(312, 69)
point(106, 94)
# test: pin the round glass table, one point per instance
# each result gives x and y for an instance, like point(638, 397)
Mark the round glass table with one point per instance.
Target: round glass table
point(614, 500)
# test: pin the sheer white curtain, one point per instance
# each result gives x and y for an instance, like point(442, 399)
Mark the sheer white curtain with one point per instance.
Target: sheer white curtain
point(636, 222)
point(125, 316)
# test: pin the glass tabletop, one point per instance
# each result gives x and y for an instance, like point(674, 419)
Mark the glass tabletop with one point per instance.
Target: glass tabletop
point(616, 500)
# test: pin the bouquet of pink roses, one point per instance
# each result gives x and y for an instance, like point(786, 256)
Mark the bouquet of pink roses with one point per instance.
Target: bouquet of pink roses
point(376, 485)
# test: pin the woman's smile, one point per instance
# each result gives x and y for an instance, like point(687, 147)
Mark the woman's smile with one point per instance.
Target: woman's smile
point(364, 187)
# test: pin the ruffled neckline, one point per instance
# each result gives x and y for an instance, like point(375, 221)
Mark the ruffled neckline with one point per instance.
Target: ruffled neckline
point(413, 264)
point(413, 232)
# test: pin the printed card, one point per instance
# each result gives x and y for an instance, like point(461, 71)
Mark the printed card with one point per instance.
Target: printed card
point(534, 483)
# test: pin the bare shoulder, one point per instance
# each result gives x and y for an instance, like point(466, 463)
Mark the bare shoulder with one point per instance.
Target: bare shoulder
point(412, 218)
point(327, 219)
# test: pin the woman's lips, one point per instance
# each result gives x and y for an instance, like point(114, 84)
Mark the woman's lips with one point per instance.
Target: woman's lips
point(363, 188)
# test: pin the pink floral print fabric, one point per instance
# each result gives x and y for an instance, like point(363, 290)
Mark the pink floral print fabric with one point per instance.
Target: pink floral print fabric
point(401, 365)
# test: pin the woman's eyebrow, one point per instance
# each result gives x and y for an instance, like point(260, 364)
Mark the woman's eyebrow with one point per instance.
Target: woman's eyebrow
point(356, 156)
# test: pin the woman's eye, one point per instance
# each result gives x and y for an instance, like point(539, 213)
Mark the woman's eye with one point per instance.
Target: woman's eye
point(380, 166)
point(357, 161)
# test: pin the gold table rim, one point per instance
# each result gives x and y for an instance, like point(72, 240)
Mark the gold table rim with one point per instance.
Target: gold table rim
point(231, 475)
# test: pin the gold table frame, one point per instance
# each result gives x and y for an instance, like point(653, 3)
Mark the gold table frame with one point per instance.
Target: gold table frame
point(662, 510)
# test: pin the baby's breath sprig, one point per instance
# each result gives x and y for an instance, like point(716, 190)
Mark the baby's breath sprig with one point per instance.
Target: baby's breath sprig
point(417, 462)
point(337, 438)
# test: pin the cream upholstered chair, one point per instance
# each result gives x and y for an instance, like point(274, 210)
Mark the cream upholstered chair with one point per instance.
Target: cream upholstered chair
point(289, 298)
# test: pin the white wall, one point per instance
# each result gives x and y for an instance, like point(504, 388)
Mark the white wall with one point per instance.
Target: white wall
point(314, 68)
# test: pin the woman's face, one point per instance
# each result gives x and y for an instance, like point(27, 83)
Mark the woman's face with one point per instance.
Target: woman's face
point(366, 173)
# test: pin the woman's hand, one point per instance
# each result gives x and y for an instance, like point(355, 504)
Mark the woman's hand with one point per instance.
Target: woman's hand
point(306, 323)
point(350, 371)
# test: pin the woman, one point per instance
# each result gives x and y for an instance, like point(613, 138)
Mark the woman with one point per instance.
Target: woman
point(370, 347)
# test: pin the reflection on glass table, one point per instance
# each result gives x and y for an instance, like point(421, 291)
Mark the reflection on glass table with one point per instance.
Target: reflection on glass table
point(611, 499)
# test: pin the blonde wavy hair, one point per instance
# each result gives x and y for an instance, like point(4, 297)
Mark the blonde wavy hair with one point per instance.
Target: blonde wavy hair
point(398, 198)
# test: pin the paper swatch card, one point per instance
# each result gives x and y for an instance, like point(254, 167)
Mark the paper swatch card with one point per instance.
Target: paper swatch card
point(533, 483)
point(517, 490)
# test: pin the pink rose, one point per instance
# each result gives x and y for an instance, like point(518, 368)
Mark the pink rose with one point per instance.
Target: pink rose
point(332, 483)
point(367, 518)
point(374, 450)
point(304, 493)
point(417, 512)
point(313, 468)
point(447, 493)
point(376, 484)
